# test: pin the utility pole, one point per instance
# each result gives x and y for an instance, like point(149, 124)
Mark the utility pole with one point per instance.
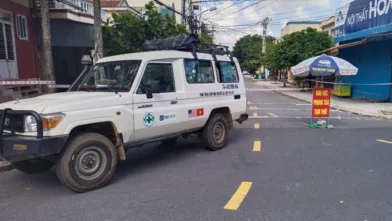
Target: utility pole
point(264, 24)
point(98, 45)
point(192, 19)
point(46, 45)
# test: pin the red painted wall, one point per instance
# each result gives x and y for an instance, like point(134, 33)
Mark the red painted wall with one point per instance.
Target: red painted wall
point(25, 49)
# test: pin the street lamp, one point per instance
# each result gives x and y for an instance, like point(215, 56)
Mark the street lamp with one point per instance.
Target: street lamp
point(207, 10)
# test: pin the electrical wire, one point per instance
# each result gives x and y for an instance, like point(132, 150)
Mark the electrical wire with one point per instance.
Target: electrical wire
point(233, 4)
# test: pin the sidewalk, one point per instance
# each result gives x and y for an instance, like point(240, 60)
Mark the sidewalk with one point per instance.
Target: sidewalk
point(344, 104)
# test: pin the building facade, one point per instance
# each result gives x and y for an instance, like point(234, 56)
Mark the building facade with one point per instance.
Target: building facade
point(71, 27)
point(18, 57)
point(365, 40)
point(181, 6)
point(117, 7)
point(328, 26)
point(294, 26)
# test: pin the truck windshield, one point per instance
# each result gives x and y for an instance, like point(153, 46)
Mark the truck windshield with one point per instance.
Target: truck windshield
point(111, 76)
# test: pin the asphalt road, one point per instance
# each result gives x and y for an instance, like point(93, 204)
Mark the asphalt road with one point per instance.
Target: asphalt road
point(294, 174)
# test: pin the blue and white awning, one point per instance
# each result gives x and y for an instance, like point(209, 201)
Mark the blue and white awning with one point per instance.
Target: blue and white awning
point(324, 65)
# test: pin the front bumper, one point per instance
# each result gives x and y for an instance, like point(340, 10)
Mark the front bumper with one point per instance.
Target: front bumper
point(15, 147)
point(243, 117)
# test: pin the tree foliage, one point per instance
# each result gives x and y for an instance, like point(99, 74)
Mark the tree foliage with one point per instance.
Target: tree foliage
point(128, 32)
point(295, 48)
point(248, 51)
point(206, 34)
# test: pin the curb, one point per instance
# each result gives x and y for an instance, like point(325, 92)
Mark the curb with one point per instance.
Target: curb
point(336, 107)
point(5, 166)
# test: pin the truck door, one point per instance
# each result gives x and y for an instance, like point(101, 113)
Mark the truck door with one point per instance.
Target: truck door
point(157, 116)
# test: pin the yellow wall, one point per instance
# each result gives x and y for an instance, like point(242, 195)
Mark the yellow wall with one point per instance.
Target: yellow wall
point(291, 28)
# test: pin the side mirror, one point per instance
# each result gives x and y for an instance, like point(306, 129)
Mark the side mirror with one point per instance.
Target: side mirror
point(153, 88)
point(86, 60)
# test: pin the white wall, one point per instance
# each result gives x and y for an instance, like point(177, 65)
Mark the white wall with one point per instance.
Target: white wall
point(142, 3)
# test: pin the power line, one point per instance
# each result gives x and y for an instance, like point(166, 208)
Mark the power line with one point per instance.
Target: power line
point(233, 4)
point(252, 5)
point(168, 7)
point(335, 7)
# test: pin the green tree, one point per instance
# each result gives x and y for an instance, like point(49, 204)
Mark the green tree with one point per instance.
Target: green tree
point(206, 34)
point(295, 48)
point(248, 51)
point(128, 33)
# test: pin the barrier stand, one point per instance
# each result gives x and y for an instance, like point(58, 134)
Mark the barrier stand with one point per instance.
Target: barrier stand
point(320, 108)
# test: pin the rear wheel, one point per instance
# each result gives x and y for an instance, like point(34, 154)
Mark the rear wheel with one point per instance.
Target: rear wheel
point(33, 165)
point(88, 162)
point(215, 132)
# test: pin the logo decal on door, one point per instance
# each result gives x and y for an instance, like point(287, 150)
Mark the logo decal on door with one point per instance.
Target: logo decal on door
point(166, 117)
point(149, 119)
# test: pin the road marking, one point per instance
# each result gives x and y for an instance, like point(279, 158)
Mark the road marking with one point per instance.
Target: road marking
point(239, 196)
point(293, 117)
point(280, 104)
point(257, 146)
point(272, 114)
point(341, 201)
point(254, 114)
point(257, 126)
point(384, 141)
point(285, 109)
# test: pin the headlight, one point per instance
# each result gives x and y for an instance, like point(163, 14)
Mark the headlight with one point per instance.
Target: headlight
point(48, 122)
point(30, 124)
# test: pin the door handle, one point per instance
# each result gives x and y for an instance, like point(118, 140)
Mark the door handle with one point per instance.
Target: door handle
point(173, 102)
point(145, 106)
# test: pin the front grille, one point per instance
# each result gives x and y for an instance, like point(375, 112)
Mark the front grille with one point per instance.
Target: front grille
point(18, 121)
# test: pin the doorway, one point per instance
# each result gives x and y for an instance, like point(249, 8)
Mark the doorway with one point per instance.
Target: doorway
point(8, 63)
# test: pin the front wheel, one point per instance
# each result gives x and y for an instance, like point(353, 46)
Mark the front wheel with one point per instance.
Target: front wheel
point(88, 162)
point(216, 132)
point(33, 166)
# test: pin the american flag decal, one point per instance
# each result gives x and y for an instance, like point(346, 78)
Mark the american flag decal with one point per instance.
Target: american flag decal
point(196, 112)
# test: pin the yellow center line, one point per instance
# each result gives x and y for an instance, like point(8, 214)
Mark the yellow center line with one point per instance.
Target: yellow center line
point(271, 114)
point(257, 126)
point(254, 114)
point(384, 141)
point(257, 146)
point(239, 196)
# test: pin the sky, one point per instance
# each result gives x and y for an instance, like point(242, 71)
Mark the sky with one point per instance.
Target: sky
point(236, 18)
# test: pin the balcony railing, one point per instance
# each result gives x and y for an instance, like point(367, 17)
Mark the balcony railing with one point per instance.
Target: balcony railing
point(78, 6)
point(75, 5)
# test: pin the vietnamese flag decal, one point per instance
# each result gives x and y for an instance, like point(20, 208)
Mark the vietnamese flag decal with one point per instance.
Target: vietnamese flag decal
point(200, 112)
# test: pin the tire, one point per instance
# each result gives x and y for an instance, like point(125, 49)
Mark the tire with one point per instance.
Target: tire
point(215, 132)
point(33, 166)
point(88, 162)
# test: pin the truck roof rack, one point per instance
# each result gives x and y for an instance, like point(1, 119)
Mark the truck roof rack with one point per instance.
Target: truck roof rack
point(189, 43)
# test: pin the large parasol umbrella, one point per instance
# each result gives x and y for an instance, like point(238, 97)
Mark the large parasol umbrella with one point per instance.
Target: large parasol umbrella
point(324, 65)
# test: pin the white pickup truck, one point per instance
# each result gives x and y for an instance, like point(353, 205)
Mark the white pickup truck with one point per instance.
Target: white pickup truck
point(124, 101)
